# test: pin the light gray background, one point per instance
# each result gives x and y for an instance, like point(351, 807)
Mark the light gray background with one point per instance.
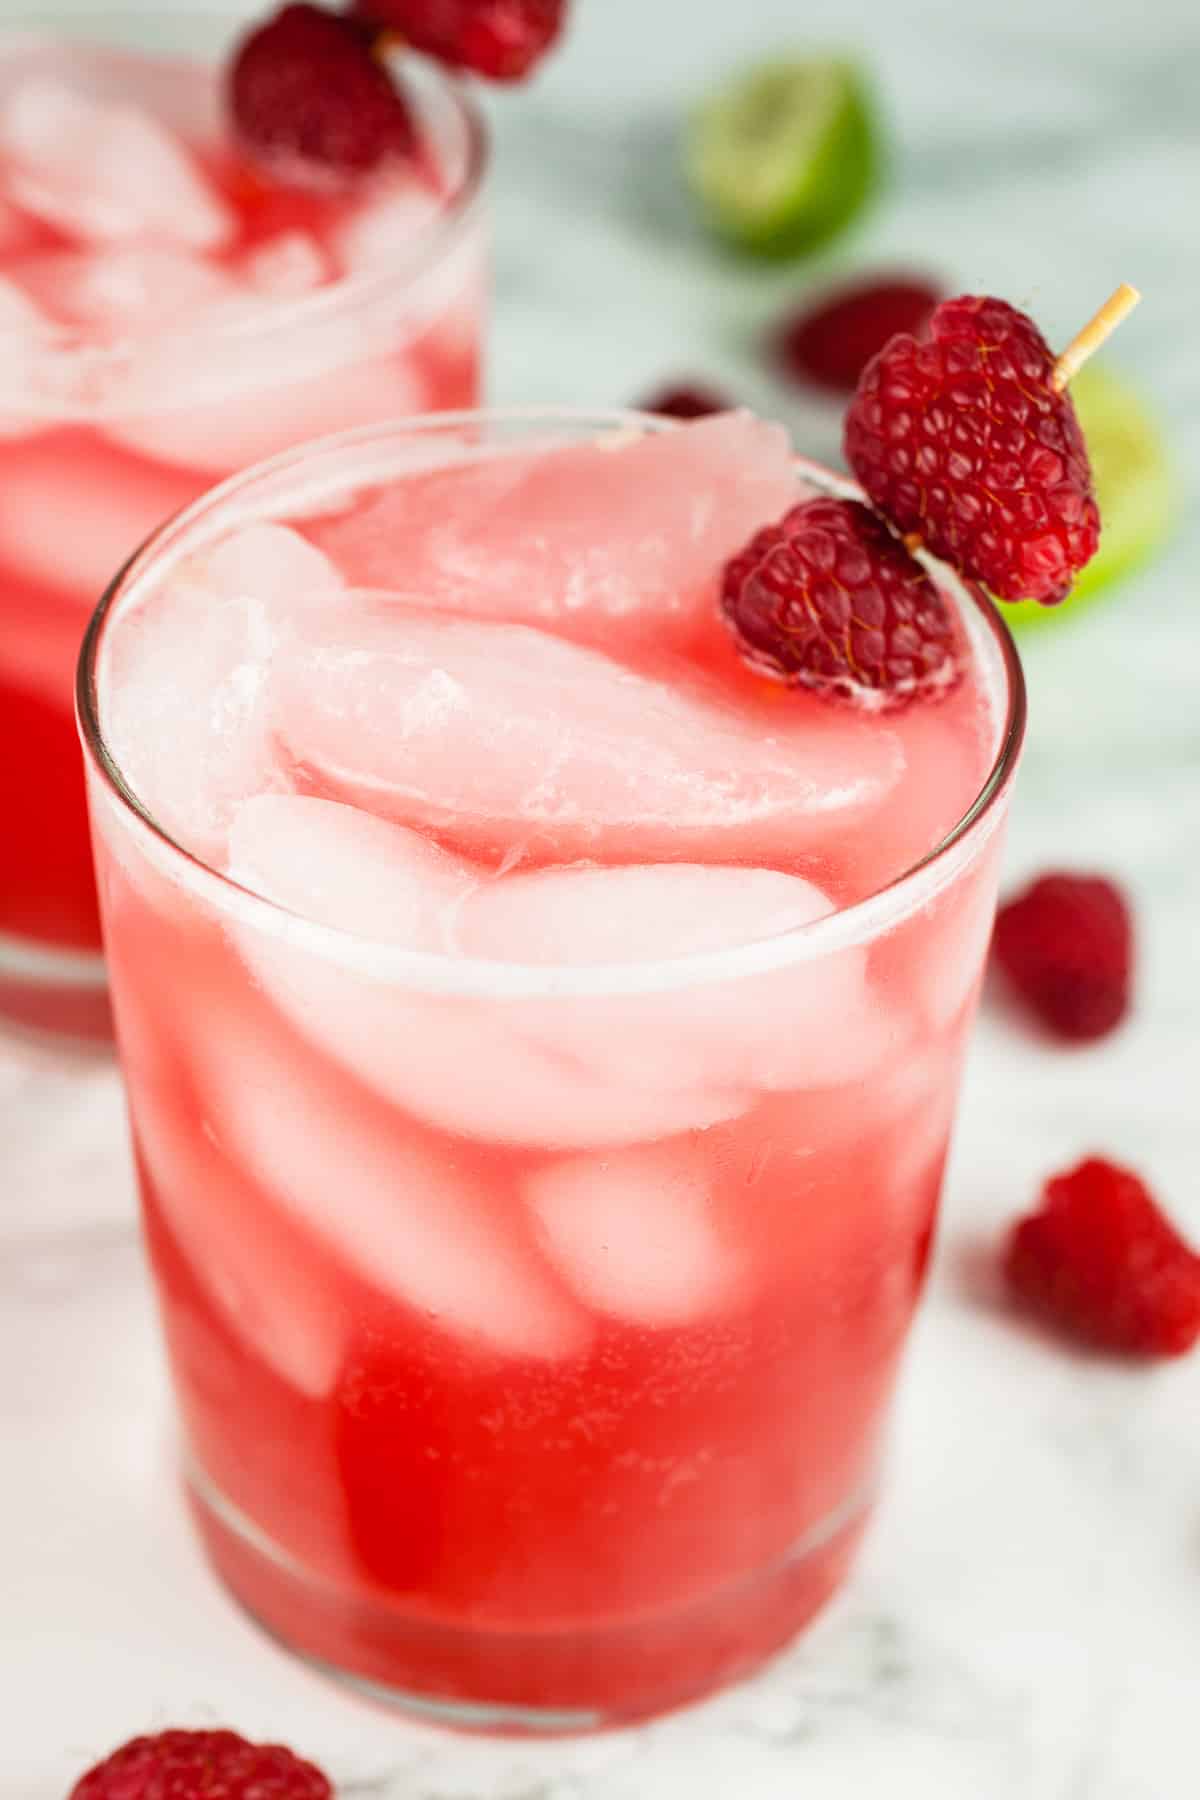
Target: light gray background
point(1026, 1621)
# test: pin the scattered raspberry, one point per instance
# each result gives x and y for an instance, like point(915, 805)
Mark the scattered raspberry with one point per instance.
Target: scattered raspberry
point(829, 600)
point(501, 39)
point(307, 94)
point(185, 1765)
point(830, 344)
point(686, 400)
point(1099, 1260)
point(1066, 945)
point(963, 440)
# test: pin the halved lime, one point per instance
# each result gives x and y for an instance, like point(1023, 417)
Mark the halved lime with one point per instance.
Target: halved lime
point(1134, 488)
point(783, 156)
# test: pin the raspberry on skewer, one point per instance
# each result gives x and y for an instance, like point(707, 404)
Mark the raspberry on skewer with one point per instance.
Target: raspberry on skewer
point(967, 442)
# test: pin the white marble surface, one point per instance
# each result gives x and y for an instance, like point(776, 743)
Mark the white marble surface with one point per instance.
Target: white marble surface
point(1025, 1624)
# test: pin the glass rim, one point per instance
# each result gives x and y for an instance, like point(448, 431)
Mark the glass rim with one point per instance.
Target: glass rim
point(270, 314)
point(437, 971)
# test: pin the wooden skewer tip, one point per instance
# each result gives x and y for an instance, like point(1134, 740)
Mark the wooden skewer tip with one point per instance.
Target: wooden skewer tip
point(1101, 325)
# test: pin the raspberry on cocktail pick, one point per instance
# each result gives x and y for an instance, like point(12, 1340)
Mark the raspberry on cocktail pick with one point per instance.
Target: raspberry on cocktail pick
point(308, 94)
point(830, 600)
point(1100, 1262)
point(201, 1765)
point(967, 441)
point(502, 40)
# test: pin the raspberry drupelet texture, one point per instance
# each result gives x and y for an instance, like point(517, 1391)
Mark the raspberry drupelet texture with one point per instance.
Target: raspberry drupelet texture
point(1065, 945)
point(828, 599)
point(962, 438)
point(829, 345)
point(1099, 1261)
point(201, 1765)
point(307, 94)
point(499, 39)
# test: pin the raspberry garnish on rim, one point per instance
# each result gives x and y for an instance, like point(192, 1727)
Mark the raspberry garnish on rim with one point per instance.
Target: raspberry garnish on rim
point(308, 94)
point(501, 40)
point(966, 440)
point(828, 599)
point(968, 447)
point(311, 91)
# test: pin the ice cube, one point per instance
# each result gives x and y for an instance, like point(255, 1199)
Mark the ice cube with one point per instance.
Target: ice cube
point(813, 1022)
point(457, 1063)
point(578, 536)
point(288, 264)
point(70, 516)
point(383, 233)
point(635, 1234)
point(263, 1275)
point(401, 1213)
point(498, 737)
point(337, 866)
point(125, 289)
point(105, 173)
point(256, 390)
point(186, 717)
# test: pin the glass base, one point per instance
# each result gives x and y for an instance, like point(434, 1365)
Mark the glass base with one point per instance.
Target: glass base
point(53, 994)
point(542, 1683)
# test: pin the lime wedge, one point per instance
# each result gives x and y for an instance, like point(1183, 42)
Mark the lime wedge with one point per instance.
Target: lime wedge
point(1134, 488)
point(785, 155)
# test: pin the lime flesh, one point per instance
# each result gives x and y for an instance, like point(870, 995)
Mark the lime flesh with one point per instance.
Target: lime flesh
point(783, 157)
point(1134, 489)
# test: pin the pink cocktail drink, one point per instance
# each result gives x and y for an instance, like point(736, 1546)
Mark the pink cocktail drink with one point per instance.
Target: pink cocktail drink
point(542, 1038)
point(170, 312)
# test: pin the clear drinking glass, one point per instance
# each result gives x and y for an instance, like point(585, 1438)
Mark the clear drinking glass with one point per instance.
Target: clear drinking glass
point(414, 1453)
point(102, 437)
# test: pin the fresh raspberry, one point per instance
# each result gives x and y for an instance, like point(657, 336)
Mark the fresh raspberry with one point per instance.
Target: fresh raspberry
point(307, 94)
point(685, 400)
point(501, 39)
point(185, 1765)
point(1066, 945)
point(829, 600)
point(963, 440)
point(830, 344)
point(1099, 1260)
